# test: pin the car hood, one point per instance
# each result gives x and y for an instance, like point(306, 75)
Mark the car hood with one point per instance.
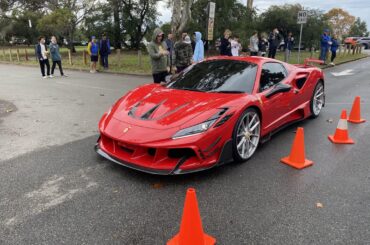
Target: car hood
point(155, 106)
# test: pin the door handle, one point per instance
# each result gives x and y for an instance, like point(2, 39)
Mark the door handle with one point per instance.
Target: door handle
point(296, 91)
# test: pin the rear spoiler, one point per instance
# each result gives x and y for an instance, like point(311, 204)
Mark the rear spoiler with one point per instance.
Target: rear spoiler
point(310, 61)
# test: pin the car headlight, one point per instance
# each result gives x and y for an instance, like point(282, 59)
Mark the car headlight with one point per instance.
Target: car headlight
point(196, 129)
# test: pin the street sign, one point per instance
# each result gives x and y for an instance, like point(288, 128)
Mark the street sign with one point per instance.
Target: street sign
point(211, 10)
point(211, 20)
point(302, 17)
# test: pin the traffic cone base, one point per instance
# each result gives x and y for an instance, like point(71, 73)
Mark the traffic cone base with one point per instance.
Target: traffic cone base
point(307, 163)
point(208, 240)
point(335, 141)
point(357, 121)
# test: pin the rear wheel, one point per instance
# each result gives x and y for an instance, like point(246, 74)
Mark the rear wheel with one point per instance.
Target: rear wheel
point(317, 100)
point(246, 135)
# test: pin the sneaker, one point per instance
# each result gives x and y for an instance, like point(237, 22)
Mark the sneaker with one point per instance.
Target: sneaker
point(51, 76)
point(91, 71)
point(64, 75)
point(44, 77)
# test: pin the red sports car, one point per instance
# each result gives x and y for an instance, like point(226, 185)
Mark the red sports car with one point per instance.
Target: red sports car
point(214, 112)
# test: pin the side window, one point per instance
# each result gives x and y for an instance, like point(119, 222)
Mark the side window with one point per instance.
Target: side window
point(272, 73)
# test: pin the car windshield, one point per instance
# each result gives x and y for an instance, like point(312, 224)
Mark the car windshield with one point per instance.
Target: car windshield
point(222, 76)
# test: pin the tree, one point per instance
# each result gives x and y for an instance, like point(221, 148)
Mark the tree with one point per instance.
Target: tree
point(229, 14)
point(57, 23)
point(181, 16)
point(138, 17)
point(358, 29)
point(284, 17)
point(340, 21)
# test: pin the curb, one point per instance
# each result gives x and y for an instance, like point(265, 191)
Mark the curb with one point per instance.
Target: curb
point(344, 62)
point(83, 70)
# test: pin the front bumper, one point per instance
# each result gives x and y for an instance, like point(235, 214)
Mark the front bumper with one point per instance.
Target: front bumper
point(224, 157)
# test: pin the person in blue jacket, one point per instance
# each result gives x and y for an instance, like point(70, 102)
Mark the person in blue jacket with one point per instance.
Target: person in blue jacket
point(104, 50)
point(325, 44)
point(199, 48)
point(333, 48)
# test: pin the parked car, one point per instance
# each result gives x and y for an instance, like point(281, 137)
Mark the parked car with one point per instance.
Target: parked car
point(351, 40)
point(297, 47)
point(365, 41)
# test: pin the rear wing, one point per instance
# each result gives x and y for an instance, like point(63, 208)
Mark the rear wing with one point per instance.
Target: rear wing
point(308, 62)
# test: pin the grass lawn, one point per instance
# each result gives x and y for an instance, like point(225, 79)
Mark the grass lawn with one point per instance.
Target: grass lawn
point(129, 61)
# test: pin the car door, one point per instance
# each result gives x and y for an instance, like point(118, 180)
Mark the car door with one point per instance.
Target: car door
point(275, 108)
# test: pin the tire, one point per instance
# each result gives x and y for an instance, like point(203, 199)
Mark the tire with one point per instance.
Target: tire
point(245, 142)
point(318, 99)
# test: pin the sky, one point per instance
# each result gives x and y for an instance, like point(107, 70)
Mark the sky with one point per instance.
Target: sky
point(358, 8)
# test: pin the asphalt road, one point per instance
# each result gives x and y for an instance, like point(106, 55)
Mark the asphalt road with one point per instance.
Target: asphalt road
point(55, 190)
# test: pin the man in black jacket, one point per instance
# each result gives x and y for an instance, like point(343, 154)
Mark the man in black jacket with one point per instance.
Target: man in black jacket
point(42, 55)
point(274, 42)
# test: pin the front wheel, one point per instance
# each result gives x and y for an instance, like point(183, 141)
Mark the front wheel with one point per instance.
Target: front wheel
point(246, 135)
point(317, 100)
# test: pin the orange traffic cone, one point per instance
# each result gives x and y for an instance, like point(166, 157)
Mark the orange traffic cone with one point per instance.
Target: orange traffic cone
point(355, 115)
point(341, 133)
point(297, 159)
point(191, 230)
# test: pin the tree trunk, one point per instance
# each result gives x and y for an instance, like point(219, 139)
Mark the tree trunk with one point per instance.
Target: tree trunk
point(181, 16)
point(117, 25)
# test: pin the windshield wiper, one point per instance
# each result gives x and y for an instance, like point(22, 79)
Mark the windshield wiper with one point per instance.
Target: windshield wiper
point(227, 92)
point(191, 89)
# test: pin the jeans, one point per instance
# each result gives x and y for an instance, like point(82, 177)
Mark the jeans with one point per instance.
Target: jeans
point(104, 60)
point(59, 63)
point(324, 51)
point(44, 63)
point(287, 55)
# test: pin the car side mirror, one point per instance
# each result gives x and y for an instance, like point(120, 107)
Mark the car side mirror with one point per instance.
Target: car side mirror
point(279, 88)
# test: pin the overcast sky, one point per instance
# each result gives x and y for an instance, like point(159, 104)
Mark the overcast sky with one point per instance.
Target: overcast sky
point(358, 8)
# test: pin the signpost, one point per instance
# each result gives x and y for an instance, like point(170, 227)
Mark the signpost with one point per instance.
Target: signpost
point(211, 20)
point(302, 19)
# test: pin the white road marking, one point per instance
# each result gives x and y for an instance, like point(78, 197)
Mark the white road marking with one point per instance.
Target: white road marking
point(343, 73)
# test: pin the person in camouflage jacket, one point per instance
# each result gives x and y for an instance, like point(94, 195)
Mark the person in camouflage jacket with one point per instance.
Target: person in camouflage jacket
point(183, 53)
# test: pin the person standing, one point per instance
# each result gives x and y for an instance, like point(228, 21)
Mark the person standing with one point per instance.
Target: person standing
point(170, 49)
point(93, 51)
point(42, 55)
point(183, 54)
point(333, 48)
point(55, 56)
point(225, 45)
point(199, 48)
point(104, 50)
point(274, 42)
point(262, 45)
point(288, 46)
point(236, 47)
point(253, 44)
point(158, 53)
point(324, 45)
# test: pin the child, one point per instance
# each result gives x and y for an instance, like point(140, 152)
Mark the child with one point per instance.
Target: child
point(236, 47)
